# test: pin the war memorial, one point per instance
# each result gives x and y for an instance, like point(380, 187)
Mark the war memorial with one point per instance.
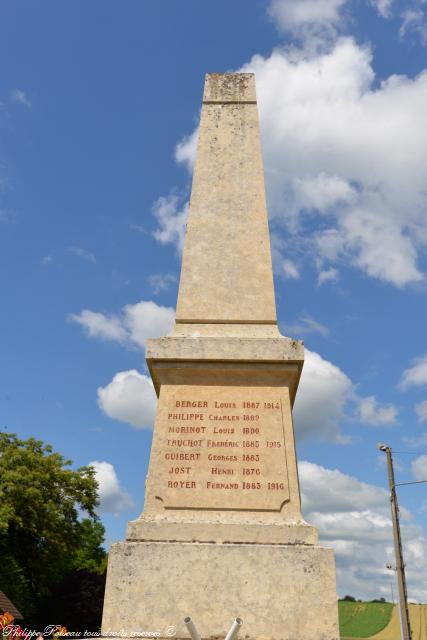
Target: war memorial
point(222, 534)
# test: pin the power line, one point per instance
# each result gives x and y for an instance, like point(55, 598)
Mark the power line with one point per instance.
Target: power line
point(412, 453)
point(402, 484)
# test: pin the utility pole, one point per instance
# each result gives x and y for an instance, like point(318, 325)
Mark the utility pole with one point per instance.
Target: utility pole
point(400, 565)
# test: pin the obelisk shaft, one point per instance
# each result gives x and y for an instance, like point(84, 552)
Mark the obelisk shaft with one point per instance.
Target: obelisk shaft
point(222, 533)
point(226, 272)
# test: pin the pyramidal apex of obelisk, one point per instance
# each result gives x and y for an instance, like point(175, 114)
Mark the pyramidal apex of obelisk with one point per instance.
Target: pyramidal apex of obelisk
point(221, 534)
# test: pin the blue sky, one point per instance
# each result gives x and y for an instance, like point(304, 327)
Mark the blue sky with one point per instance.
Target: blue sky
point(99, 105)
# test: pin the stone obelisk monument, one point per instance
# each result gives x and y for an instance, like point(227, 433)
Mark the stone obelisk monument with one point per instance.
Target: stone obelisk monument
point(222, 534)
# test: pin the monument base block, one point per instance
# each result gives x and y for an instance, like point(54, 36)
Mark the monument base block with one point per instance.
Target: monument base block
point(282, 592)
point(145, 530)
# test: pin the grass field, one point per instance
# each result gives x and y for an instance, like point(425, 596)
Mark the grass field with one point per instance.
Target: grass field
point(379, 621)
point(418, 620)
point(363, 619)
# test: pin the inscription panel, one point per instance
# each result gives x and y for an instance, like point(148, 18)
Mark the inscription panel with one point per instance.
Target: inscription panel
point(221, 448)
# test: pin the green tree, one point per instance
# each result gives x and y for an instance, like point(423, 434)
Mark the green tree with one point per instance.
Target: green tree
point(42, 532)
point(90, 554)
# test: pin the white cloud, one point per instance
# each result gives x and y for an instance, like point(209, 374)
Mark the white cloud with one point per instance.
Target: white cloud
point(282, 267)
point(327, 275)
point(326, 398)
point(147, 320)
point(307, 324)
point(17, 95)
point(161, 282)
point(84, 254)
point(99, 325)
point(370, 412)
point(353, 517)
point(416, 375)
point(322, 395)
point(287, 269)
point(344, 158)
point(321, 18)
point(171, 218)
point(421, 411)
point(307, 18)
point(185, 151)
point(322, 192)
point(134, 325)
point(345, 493)
point(129, 397)
point(383, 7)
point(414, 21)
point(113, 499)
point(419, 468)
point(46, 260)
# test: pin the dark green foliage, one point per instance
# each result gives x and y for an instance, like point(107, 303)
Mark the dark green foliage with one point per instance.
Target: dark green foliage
point(76, 602)
point(42, 536)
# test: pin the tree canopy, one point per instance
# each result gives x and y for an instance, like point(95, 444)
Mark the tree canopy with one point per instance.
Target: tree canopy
point(48, 522)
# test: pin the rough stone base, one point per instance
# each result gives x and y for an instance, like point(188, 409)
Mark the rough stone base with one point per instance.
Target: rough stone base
point(282, 592)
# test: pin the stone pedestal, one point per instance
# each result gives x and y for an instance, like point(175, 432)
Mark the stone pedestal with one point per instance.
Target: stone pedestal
point(222, 533)
point(282, 592)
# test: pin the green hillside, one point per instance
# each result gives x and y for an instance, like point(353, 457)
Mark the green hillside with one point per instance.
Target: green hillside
point(363, 619)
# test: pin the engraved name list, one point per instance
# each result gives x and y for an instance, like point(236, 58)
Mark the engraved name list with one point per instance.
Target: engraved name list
point(227, 442)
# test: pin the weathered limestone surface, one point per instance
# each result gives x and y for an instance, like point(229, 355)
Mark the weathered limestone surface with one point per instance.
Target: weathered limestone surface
point(283, 592)
point(264, 349)
point(226, 268)
point(222, 534)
